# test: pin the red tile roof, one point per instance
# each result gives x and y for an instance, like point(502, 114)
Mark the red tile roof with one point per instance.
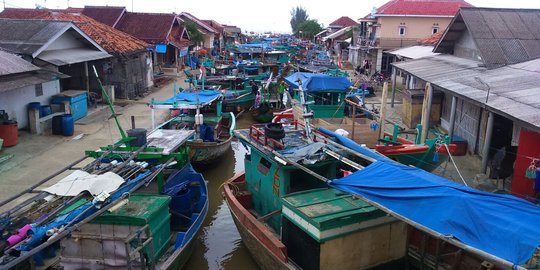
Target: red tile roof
point(21, 13)
point(194, 19)
point(150, 27)
point(215, 25)
point(343, 22)
point(431, 40)
point(112, 40)
point(104, 14)
point(176, 37)
point(422, 7)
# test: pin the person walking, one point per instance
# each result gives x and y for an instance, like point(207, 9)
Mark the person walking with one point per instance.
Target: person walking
point(281, 90)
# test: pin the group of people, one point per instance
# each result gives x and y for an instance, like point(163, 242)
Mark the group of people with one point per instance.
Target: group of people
point(281, 88)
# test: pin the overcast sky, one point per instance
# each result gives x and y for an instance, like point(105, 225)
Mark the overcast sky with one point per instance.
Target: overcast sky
point(253, 15)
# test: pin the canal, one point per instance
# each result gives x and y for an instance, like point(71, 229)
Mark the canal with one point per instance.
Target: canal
point(219, 245)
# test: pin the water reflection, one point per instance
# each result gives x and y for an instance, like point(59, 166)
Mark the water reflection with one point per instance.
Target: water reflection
point(219, 245)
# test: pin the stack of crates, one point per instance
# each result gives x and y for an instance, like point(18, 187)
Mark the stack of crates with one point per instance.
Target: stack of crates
point(102, 241)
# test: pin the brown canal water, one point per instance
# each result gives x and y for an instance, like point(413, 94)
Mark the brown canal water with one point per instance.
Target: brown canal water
point(218, 245)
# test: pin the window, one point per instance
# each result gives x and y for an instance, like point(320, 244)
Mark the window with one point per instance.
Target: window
point(402, 30)
point(435, 28)
point(39, 90)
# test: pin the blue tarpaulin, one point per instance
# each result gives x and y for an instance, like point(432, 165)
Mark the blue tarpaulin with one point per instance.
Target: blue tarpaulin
point(187, 99)
point(161, 48)
point(314, 82)
point(502, 225)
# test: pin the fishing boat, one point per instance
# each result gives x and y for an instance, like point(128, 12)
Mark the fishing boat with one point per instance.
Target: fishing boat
point(284, 178)
point(300, 213)
point(307, 202)
point(200, 111)
point(325, 94)
point(133, 204)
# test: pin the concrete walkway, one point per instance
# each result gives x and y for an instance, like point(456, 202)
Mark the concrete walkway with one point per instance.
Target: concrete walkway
point(38, 156)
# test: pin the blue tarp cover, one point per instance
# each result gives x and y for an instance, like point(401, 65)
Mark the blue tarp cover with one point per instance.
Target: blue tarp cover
point(187, 99)
point(315, 82)
point(501, 225)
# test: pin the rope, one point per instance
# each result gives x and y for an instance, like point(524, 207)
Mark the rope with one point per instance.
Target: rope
point(455, 166)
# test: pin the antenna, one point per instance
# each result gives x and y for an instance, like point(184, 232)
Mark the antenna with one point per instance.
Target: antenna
point(132, 6)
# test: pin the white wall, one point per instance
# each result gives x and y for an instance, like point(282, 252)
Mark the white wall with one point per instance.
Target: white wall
point(68, 40)
point(15, 102)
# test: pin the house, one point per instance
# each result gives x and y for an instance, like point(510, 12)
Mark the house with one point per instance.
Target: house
point(219, 37)
point(335, 33)
point(21, 82)
point(231, 34)
point(209, 33)
point(169, 39)
point(129, 70)
point(56, 45)
point(397, 24)
point(487, 72)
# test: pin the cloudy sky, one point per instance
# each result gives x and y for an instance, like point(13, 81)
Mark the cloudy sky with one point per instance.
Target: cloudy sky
point(252, 15)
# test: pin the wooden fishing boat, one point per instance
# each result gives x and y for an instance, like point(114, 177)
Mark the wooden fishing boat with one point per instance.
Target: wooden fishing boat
point(325, 94)
point(200, 111)
point(202, 153)
point(238, 100)
point(307, 202)
point(263, 113)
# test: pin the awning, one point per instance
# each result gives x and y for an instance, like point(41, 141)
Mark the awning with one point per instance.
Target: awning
point(20, 80)
point(187, 100)
point(71, 56)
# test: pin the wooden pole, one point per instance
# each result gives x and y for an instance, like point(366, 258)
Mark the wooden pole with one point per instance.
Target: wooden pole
point(425, 112)
point(383, 110)
point(353, 121)
point(394, 75)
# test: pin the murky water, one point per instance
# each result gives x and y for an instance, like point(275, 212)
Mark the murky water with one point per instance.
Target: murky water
point(219, 245)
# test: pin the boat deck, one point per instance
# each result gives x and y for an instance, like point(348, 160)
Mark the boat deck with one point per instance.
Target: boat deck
point(169, 139)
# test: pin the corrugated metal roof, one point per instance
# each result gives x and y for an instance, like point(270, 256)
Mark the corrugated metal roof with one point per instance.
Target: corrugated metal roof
point(16, 81)
point(13, 64)
point(414, 52)
point(502, 36)
point(28, 36)
point(514, 90)
point(338, 33)
point(71, 56)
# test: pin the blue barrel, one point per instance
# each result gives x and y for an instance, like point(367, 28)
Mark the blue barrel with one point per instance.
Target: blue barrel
point(57, 125)
point(68, 125)
point(45, 110)
point(36, 106)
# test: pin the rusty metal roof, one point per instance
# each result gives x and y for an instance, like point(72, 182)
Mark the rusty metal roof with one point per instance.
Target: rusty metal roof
point(514, 90)
point(502, 36)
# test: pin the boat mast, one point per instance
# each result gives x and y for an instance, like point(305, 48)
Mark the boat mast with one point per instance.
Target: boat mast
point(114, 115)
point(306, 113)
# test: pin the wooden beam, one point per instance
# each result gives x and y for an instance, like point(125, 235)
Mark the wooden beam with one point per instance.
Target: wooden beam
point(426, 107)
point(383, 110)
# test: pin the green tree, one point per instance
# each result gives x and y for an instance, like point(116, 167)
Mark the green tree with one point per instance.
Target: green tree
point(298, 16)
point(309, 29)
point(194, 34)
